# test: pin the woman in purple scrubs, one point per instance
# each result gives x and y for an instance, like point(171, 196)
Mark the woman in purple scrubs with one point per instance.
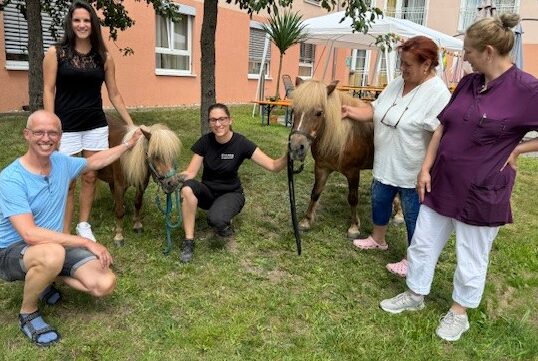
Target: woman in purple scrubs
point(469, 170)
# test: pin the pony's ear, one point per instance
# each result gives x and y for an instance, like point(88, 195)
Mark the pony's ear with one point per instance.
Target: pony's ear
point(298, 81)
point(332, 86)
point(145, 130)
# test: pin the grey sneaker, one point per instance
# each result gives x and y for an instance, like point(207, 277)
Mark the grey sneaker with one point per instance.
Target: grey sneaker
point(452, 326)
point(187, 251)
point(85, 230)
point(402, 302)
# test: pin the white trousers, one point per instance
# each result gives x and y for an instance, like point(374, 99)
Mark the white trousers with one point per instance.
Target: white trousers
point(473, 244)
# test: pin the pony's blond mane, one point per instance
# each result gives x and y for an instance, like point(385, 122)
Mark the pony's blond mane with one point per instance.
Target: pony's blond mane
point(164, 146)
point(312, 94)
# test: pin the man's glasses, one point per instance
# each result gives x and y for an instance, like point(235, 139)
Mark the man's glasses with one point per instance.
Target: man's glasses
point(53, 134)
point(221, 120)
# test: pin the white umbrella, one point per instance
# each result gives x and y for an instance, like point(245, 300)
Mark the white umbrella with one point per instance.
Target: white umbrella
point(329, 29)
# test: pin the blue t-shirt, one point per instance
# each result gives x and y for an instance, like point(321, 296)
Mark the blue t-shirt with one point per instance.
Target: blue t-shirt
point(44, 197)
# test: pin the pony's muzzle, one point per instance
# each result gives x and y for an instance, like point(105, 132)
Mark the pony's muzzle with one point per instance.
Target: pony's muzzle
point(298, 147)
point(170, 184)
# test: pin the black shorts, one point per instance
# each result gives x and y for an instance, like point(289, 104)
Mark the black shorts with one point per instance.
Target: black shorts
point(12, 265)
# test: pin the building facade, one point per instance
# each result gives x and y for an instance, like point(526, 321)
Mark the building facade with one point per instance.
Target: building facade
point(165, 69)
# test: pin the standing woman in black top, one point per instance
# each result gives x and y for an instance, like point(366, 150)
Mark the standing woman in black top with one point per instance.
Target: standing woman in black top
point(221, 152)
point(74, 71)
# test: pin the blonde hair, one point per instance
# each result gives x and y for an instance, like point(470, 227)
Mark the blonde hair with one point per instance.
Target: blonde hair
point(496, 32)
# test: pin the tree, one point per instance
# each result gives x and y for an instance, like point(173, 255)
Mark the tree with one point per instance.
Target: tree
point(35, 55)
point(115, 18)
point(285, 30)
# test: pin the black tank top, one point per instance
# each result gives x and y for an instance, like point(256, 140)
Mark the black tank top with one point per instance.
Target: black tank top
point(78, 101)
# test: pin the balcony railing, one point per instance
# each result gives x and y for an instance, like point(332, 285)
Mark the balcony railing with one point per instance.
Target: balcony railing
point(468, 14)
point(416, 14)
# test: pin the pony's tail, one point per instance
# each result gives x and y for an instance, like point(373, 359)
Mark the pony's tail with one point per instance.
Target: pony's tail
point(133, 162)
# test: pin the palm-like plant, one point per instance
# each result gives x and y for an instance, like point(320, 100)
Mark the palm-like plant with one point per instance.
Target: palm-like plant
point(284, 30)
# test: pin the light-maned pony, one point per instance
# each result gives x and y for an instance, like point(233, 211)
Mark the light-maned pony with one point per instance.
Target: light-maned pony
point(336, 144)
point(155, 154)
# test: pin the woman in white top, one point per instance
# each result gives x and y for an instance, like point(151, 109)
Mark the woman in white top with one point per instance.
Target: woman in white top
point(404, 116)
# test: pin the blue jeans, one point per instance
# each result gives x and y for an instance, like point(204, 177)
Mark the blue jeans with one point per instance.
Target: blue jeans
point(382, 198)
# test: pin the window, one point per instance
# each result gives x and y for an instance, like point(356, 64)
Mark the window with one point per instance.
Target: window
point(313, 2)
point(16, 36)
point(359, 67)
point(256, 45)
point(173, 50)
point(412, 10)
point(307, 55)
point(469, 9)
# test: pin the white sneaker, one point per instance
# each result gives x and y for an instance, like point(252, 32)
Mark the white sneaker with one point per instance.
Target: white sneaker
point(85, 230)
point(403, 302)
point(452, 326)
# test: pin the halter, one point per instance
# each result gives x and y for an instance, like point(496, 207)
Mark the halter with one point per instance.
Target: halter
point(308, 136)
point(310, 139)
point(160, 179)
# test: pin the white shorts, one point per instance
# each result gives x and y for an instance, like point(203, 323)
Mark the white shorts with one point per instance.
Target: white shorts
point(75, 142)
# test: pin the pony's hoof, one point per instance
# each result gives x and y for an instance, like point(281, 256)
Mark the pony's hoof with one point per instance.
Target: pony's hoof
point(118, 240)
point(138, 231)
point(398, 219)
point(304, 225)
point(352, 234)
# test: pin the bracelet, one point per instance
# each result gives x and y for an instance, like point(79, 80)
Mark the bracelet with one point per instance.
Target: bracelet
point(126, 144)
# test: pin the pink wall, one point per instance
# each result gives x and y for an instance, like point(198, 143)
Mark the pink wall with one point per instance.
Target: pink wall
point(141, 87)
point(13, 84)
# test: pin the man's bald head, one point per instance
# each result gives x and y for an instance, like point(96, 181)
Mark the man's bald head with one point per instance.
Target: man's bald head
point(43, 115)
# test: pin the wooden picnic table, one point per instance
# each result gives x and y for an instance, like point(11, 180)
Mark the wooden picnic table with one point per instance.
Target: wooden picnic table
point(364, 92)
point(268, 105)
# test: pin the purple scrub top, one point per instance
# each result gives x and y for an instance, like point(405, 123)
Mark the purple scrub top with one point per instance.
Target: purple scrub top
point(480, 130)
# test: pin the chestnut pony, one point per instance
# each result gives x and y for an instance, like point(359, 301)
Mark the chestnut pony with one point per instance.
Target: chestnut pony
point(155, 153)
point(337, 144)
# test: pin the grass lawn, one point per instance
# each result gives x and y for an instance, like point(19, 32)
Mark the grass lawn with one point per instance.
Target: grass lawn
point(263, 302)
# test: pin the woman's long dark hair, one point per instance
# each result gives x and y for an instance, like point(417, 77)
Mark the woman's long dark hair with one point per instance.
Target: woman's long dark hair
point(96, 38)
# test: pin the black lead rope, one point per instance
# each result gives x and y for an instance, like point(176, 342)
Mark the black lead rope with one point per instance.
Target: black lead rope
point(291, 188)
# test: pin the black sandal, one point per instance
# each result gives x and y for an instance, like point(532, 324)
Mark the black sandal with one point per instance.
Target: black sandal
point(26, 321)
point(51, 295)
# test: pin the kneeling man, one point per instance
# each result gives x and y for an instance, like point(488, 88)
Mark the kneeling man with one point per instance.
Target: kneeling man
point(33, 192)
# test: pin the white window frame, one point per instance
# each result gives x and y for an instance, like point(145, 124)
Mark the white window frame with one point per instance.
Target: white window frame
point(468, 9)
point(365, 78)
point(307, 64)
point(188, 13)
point(403, 12)
point(16, 35)
point(313, 2)
point(257, 27)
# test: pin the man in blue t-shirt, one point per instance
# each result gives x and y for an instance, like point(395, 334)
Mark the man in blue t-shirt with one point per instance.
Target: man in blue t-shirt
point(33, 249)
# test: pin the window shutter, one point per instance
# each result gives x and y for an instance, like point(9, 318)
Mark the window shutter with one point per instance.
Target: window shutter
point(256, 43)
point(306, 53)
point(16, 30)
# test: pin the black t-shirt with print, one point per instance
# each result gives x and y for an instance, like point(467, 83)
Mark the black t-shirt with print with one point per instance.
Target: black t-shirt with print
point(222, 161)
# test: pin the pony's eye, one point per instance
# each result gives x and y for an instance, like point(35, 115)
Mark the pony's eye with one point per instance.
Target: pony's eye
point(319, 113)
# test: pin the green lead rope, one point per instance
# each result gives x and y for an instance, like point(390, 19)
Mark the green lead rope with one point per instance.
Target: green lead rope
point(171, 221)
